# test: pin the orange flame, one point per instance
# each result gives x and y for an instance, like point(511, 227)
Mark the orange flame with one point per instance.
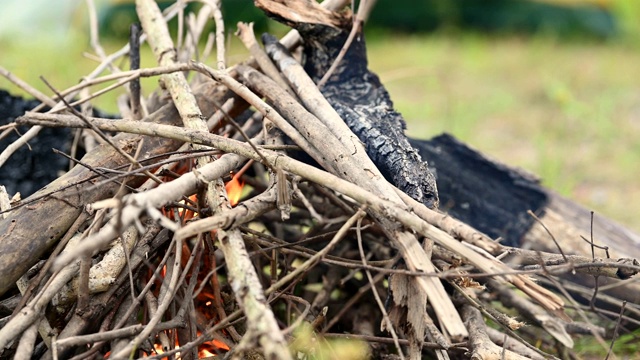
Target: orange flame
point(188, 214)
point(234, 189)
point(214, 347)
point(183, 213)
point(208, 349)
point(211, 348)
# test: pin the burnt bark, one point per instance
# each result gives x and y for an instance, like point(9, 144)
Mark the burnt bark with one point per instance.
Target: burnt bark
point(495, 199)
point(34, 166)
point(483, 193)
point(365, 105)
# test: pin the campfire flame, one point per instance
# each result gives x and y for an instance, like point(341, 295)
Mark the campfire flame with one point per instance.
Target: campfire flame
point(207, 350)
point(204, 301)
point(234, 189)
point(204, 305)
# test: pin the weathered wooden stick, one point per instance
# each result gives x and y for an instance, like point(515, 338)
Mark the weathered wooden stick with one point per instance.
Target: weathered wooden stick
point(246, 35)
point(344, 165)
point(103, 274)
point(235, 217)
point(315, 102)
point(616, 268)
point(532, 312)
point(481, 346)
point(30, 230)
point(487, 264)
point(512, 344)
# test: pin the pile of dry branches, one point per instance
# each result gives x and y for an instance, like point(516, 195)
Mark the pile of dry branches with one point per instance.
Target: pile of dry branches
point(139, 251)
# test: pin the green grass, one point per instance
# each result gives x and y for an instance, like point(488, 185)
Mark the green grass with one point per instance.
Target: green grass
point(566, 111)
point(625, 346)
point(62, 63)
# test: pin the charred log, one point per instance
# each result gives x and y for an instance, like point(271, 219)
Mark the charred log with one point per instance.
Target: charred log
point(495, 199)
point(362, 101)
point(34, 166)
point(485, 194)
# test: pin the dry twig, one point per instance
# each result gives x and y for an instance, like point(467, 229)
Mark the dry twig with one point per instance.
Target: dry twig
point(197, 264)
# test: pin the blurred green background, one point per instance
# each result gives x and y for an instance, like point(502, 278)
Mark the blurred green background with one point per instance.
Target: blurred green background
point(549, 86)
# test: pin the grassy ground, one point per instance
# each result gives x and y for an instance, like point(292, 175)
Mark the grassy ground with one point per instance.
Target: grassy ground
point(566, 111)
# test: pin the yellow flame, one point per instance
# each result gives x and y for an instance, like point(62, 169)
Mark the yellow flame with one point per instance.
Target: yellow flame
point(234, 190)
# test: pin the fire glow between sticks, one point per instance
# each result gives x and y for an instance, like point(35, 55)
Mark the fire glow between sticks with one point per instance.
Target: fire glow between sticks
point(205, 299)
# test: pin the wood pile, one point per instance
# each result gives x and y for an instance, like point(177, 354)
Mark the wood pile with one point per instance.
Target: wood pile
point(274, 209)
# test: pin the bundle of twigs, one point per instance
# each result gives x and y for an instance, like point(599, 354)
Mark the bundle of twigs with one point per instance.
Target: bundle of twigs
point(138, 250)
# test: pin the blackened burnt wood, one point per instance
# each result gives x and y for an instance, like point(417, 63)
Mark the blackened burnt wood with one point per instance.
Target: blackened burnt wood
point(485, 194)
point(34, 166)
point(494, 198)
point(364, 104)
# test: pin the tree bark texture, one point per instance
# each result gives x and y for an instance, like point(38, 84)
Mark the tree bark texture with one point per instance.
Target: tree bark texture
point(365, 105)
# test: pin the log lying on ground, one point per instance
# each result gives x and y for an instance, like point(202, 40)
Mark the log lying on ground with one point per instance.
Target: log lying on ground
point(495, 199)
